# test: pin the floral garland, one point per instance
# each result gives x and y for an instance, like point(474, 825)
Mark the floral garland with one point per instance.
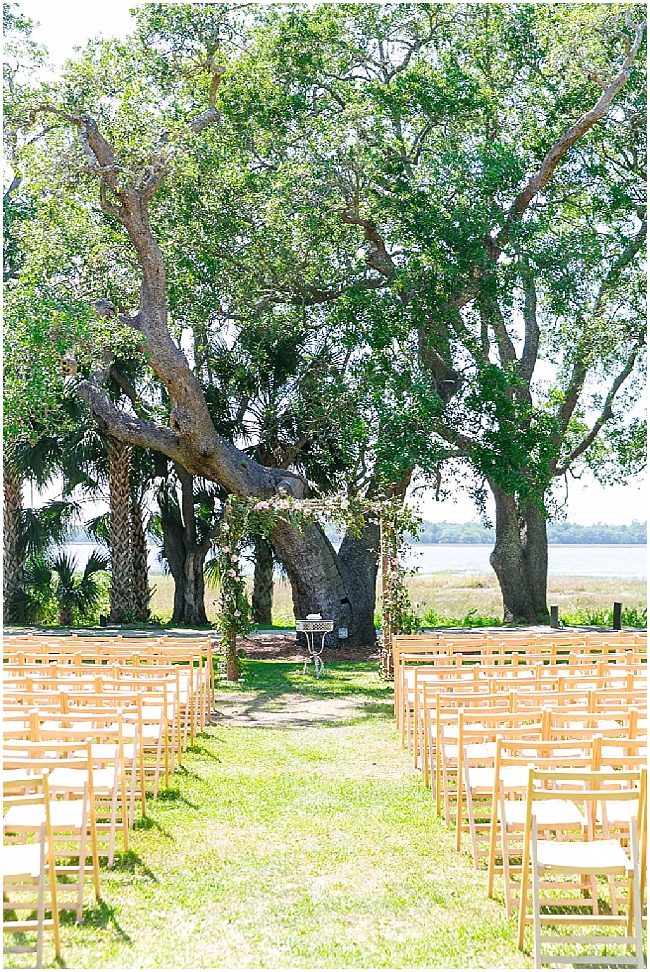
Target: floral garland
point(245, 517)
point(398, 616)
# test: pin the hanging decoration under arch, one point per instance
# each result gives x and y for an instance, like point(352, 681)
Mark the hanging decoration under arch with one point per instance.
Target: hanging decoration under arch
point(245, 517)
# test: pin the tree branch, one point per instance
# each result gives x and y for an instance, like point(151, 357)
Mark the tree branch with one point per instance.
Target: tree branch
point(572, 395)
point(580, 367)
point(528, 358)
point(622, 261)
point(125, 426)
point(587, 121)
point(607, 411)
point(462, 442)
point(292, 451)
point(13, 187)
point(307, 295)
point(378, 256)
point(491, 309)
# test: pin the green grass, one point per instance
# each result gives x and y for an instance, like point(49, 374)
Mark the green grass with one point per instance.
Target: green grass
point(296, 844)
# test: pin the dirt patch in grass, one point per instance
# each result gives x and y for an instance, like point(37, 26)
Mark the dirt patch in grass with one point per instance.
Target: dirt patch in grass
point(263, 647)
point(300, 711)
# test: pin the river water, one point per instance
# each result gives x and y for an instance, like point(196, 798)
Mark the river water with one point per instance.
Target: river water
point(568, 560)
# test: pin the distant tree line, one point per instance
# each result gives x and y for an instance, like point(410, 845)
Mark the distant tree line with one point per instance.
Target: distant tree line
point(633, 532)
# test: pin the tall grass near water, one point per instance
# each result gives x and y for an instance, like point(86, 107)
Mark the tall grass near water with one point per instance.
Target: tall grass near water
point(463, 598)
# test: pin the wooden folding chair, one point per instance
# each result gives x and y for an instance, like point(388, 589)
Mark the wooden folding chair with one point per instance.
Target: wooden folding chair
point(104, 731)
point(28, 865)
point(508, 817)
point(554, 866)
point(71, 808)
point(477, 733)
point(145, 724)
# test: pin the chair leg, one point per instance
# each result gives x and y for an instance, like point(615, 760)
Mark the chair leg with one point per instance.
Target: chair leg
point(459, 807)
point(537, 909)
point(523, 901)
point(613, 894)
point(125, 812)
point(635, 905)
point(472, 828)
point(40, 914)
point(143, 785)
point(94, 850)
point(493, 847)
point(54, 899)
point(113, 825)
point(83, 838)
point(438, 776)
point(505, 856)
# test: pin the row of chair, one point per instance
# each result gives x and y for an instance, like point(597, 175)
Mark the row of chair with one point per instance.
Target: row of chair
point(476, 658)
point(489, 729)
point(625, 669)
point(88, 731)
point(194, 658)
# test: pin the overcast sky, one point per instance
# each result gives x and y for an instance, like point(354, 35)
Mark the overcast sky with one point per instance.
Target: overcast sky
point(64, 24)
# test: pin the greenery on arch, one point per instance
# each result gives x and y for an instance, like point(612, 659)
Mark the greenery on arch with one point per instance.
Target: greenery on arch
point(245, 517)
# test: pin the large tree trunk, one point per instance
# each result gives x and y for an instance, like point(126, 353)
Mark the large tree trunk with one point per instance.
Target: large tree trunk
point(141, 590)
point(184, 555)
point(314, 571)
point(520, 559)
point(13, 566)
point(174, 553)
point(119, 475)
point(194, 589)
point(262, 600)
point(359, 560)
point(195, 554)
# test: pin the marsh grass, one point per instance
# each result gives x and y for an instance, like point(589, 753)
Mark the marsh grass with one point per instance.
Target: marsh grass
point(457, 596)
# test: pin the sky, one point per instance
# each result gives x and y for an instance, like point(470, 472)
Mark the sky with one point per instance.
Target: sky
point(65, 24)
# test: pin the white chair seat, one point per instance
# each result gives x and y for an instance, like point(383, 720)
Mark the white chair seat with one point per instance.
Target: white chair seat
point(21, 860)
point(72, 779)
point(589, 857)
point(63, 814)
point(618, 812)
point(549, 813)
point(68, 779)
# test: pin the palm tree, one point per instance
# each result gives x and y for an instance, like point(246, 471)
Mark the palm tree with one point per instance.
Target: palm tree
point(77, 596)
point(31, 602)
point(94, 461)
point(119, 488)
point(142, 474)
point(13, 563)
point(27, 532)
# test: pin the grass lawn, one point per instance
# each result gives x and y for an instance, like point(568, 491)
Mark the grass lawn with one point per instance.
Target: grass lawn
point(297, 834)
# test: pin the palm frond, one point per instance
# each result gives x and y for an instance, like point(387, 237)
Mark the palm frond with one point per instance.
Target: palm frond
point(211, 572)
point(97, 561)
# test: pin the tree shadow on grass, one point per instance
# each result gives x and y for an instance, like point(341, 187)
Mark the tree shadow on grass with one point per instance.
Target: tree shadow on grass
point(199, 750)
point(189, 774)
point(369, 711)
point(295, 710)
point(278, 678)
